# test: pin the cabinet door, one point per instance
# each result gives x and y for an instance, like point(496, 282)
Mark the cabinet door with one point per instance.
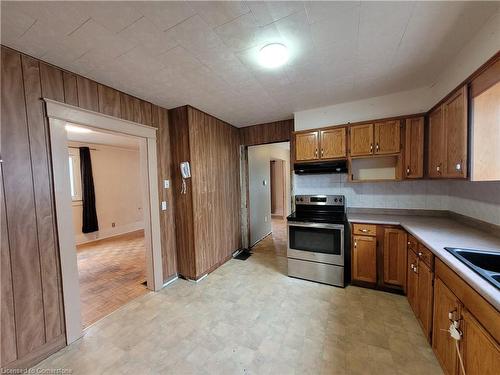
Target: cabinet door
point(306, 146)
point(364, 259)
point(481, 353)
point(455, 125)
point(333, 143)
point(445, 303)
point(424, 299)
point(387, 137)
point(414, 147)
point(395, 257)
point(412, 280)
point(436, 143)
point(361, 140)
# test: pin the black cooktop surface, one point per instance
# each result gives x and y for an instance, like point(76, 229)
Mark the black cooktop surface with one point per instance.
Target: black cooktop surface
point(332, 218)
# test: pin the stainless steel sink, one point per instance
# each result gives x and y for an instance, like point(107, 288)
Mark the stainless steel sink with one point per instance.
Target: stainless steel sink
point(485, 263)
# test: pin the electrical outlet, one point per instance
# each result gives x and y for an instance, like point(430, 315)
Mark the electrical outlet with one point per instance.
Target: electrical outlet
point(166, 184)
point(265, 218)
point(163, 206)
point(113, 225)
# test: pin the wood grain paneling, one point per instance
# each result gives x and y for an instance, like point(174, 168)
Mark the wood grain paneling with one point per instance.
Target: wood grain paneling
point(488, 78)
point(8, 349)
point(167, 223)
point(52, 82)
point(213, 216)
point(144, 113)
point(87, 94)
point(70, 89)
point(278, 131)
point(183, 211)
point(45, 214)
point(109, 100)
point(127, 107)
point(20, 209)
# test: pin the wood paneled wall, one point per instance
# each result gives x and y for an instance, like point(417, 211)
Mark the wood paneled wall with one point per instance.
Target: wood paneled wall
point(278, 131)
point(208, 215)
point(32, 320)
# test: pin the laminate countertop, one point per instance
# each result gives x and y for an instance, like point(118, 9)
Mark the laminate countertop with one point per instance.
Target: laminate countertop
point(436, 233)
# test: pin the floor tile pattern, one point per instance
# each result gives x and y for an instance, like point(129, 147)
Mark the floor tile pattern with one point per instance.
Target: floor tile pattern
point(248, 317)
point(111, 274)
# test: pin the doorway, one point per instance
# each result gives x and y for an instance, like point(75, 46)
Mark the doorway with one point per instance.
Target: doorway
point(111, 256)
point(267, 199)
point(60, 115)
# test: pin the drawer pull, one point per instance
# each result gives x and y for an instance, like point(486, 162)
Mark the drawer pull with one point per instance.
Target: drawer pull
point(364, 230)
point(420, 254)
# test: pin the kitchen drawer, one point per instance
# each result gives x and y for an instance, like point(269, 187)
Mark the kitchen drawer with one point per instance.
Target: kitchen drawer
point(364, 229)
point(412, 244)
point(425, 255)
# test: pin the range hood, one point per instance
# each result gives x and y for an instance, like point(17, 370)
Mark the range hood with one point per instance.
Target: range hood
point(338, 166)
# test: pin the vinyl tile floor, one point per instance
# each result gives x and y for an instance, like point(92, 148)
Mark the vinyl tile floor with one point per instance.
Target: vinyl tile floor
point(248, 317)
point(111, 273)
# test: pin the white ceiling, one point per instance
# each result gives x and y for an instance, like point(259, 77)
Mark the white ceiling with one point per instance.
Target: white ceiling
point(102, 138)
point(203, 53)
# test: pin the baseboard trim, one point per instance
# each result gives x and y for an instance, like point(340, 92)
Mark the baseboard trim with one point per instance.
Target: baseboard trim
point(256, 242)
point(82, 238)
point(170, 280)
point(39, 354)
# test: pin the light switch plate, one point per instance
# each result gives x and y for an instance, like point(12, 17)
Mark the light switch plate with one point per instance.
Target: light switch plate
point(163, 206)
point(166, 184)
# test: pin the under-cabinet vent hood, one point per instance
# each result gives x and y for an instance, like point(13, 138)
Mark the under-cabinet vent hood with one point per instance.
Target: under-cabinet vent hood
point(339, 166)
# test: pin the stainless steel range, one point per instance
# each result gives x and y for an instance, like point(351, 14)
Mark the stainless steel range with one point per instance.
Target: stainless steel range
point(317, 239)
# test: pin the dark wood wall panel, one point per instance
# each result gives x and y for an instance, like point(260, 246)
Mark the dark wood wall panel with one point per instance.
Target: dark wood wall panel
point(52, 82)
point(45, 213)
point(70, 89)
point(20, 209)
point(167, 223)
point(109, 100)
point(144, 113)
point(127, 107)
point(278, 131)
point(87, 94)
point(183, 211)
point(8, 349)
point(209, 212)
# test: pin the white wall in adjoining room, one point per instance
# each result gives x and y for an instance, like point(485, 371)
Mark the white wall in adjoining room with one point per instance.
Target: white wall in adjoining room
point(116, 172)
point(259, 170)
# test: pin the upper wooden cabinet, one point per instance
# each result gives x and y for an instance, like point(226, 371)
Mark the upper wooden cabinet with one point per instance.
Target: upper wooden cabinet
point(333, 143)
point(448, 137)
point(414, 148)
point(321, 144)
point(455, 121)
point(361, 140)
point(387, 137)
point(395, 257)
point(436, 143)
point(306, 146)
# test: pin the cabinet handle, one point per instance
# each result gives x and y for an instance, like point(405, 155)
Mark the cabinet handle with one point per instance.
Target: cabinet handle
point(407, 170)
point(408, 243)
point(458, 166)
point(355, 244)
point(438, 168)
point(364, 230)
point(376, 147)
point(316, 153)
point(322, 152)
point(419, 254)
point(371, 147)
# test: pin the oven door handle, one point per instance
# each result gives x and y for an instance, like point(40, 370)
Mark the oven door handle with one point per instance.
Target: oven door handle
point(316, 225)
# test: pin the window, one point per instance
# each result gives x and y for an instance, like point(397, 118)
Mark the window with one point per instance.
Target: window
point(75, 177)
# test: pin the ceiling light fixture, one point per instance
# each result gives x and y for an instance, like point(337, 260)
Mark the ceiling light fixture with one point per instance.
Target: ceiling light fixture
point(76, 129)
point(273, 55)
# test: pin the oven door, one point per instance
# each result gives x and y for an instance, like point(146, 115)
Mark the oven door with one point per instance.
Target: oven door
point(316, 242)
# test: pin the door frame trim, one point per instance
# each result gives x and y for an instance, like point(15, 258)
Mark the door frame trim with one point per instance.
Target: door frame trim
point(58, 115)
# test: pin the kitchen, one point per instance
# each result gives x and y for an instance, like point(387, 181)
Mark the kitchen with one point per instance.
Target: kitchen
point(388, 260)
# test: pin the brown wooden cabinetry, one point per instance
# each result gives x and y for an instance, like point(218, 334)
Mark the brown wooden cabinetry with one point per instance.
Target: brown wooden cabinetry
point(329, 143)
point(480, 351)
point(446, 304)
point(361, 140)
point(447, 147)
point(306, 146)
point(414, 148)
point(387, 137)
point(395, 257)
point(412, 282)
point(333, 143)
point(455, 120)
point(364, 259)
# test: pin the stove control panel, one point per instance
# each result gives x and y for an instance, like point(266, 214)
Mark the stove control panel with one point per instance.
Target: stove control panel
point(320, 200)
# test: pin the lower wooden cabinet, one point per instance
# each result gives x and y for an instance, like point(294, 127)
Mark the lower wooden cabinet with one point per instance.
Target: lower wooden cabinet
point(412, 282)
point(364, 259)
point(395, 257)
point(446, 304)
point(480, 351)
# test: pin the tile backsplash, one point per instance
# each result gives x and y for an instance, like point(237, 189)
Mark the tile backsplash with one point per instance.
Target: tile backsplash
point(480, 200)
